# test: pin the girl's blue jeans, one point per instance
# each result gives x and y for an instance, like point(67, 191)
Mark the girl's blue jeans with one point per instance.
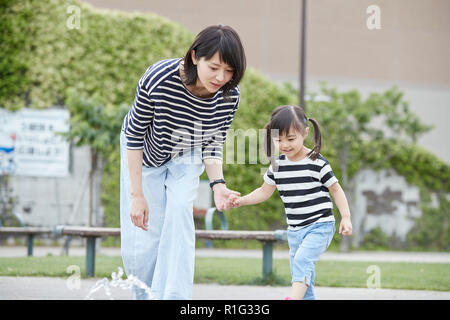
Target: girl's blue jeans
point(305, 247)
point(162, 257)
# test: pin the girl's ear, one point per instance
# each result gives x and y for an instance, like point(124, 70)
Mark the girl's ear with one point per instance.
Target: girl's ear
point(194, 59)
point(306, 133)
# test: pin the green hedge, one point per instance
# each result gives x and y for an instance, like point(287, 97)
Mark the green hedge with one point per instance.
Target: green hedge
point(15, 37)
point(105, 58)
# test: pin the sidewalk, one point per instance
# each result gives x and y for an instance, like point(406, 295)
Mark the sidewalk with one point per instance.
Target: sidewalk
point(375, 256)
point(31, 288)
point(44, 288)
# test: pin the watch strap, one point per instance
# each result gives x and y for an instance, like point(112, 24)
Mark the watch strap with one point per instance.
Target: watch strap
point(211, 185)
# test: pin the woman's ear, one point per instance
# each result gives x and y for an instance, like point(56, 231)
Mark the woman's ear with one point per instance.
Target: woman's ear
point(194, 59)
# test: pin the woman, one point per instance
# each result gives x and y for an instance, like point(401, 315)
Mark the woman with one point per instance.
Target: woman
point(174, 130)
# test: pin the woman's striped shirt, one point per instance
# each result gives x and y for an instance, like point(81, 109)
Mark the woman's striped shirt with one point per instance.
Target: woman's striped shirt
point(167, 120)
point(303, 187)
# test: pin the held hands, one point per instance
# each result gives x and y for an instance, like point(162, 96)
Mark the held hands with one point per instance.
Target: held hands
point(222, 195)
point(234, 200)
point(345, 227)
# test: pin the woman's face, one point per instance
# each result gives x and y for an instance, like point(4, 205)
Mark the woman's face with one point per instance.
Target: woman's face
point(213, 73)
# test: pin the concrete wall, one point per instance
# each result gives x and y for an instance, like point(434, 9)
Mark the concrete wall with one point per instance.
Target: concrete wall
point(53, 201)
point(412, 44)
point(383, 200)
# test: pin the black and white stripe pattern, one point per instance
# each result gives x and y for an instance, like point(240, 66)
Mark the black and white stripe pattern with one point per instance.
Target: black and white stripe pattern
point(303, 187)
point(166, 119)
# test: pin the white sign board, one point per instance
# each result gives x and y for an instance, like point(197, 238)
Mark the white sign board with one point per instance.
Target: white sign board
point(29, 145)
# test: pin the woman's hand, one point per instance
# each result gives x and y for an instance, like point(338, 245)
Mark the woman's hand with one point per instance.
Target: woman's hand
point(345, 227)
point(221, 196)
point(139, 212)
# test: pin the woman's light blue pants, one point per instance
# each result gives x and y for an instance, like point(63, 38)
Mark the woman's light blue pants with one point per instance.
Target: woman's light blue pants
point(162, 257)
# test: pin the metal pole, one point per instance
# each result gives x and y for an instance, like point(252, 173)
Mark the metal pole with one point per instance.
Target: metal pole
point(90, 257)
point(209, 222)
point(30, 240)
point(267, 258)
point(303, 55)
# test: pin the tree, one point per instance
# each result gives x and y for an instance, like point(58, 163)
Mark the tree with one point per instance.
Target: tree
point(97, 125)
point(347, 122)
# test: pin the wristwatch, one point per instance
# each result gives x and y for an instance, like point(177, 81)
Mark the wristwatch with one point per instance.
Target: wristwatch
point(216, 182)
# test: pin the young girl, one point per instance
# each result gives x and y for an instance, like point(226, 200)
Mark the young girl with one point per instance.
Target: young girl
point(304, 180)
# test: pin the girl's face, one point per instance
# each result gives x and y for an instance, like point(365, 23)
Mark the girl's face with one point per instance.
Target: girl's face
point(212, 74)
point(291, 144)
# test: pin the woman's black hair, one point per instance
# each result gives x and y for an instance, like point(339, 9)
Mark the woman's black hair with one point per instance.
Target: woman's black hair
point(225, 41)
point(282, 120)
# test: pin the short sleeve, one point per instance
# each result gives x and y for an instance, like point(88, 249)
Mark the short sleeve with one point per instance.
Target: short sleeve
point(269, 178)
point(139, 119)
point(327, 176)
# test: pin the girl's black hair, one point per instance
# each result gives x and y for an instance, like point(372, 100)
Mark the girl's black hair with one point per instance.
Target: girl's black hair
point(281, 121)
point(222, 39)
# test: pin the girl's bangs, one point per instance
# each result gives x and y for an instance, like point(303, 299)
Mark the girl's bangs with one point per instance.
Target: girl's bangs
point(283, 125)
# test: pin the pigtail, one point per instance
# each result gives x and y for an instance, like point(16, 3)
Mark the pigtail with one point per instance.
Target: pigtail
point(315, 152)
point(269, 147)
point(267, 141)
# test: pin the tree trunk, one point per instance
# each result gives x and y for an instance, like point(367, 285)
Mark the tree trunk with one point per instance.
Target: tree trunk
point(343, 162)
point(95, 190)
point(91, 187)
point(96, 215)
point(98, 208)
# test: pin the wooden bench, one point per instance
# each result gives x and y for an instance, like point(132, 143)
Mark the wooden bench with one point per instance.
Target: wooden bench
point(92, 233)
point(29, 232)
point(266, 237)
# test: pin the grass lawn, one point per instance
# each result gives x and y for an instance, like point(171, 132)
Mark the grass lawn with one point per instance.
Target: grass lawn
point(417, 276)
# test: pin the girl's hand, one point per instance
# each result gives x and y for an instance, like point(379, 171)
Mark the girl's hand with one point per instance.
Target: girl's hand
point(345, 227)
point(139, 212)
point(234, 200)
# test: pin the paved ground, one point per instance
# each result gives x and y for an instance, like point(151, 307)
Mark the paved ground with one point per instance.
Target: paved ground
point(375, 256)
point(31, 288)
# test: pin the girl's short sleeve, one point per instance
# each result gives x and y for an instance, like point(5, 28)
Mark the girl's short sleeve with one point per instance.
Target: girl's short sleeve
point(269, 178)
point(327, 176)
